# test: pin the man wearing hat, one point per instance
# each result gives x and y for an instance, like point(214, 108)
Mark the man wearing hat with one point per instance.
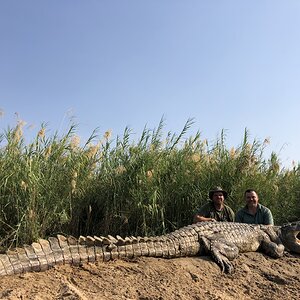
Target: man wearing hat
point(215, 210)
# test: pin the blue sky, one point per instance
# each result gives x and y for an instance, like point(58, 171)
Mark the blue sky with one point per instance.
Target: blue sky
point(110, 64)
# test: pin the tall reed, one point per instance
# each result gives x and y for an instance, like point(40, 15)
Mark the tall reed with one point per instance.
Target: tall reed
point(129, 187)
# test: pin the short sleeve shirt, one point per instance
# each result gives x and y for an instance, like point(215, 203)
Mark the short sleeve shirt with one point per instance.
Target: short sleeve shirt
point(208, 210)
point(263, 216)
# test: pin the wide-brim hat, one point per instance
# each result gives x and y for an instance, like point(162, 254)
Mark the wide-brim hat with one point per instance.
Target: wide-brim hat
point(215, 190)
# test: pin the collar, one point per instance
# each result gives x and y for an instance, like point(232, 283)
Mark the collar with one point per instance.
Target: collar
point(245, 208)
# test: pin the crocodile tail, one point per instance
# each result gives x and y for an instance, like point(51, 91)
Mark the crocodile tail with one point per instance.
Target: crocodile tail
point(44, 254)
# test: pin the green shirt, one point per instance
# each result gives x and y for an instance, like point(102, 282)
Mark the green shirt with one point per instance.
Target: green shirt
point(208, 210)
point(263, 216)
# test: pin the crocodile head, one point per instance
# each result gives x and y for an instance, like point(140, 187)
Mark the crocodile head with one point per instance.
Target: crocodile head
point(290, 234)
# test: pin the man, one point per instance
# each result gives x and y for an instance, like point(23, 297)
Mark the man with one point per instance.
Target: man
point(254, 212)
point(215, 210)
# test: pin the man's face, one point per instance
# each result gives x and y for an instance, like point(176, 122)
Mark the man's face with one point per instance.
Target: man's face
point(251, 199)
point(218, 197)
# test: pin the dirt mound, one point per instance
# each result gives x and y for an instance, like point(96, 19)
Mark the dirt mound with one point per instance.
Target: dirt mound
point(256, 276)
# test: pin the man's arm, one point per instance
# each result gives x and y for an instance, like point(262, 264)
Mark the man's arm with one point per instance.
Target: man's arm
point(199, 218)
point(268, 217)
point(203, 214)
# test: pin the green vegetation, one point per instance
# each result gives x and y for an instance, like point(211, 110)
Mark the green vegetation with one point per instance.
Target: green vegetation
point(126, 187)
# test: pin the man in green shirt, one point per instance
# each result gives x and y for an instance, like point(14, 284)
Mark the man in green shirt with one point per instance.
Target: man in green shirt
point(253, 212)
point(215, 210)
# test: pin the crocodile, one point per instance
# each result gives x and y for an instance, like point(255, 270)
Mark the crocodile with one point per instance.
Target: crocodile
point(223, 241)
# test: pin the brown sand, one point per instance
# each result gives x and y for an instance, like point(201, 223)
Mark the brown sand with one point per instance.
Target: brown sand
point(256, 276)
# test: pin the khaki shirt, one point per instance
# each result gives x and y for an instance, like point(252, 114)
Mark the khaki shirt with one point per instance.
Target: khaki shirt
point(208, 210)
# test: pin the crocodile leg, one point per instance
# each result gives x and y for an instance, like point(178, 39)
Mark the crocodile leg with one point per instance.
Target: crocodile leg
point(271, 248)
point(222, 252)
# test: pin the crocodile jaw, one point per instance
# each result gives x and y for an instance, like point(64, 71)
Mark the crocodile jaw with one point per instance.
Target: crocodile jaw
point(289, 236)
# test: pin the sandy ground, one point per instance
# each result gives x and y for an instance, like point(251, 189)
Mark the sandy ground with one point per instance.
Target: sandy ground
point(256, 276)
